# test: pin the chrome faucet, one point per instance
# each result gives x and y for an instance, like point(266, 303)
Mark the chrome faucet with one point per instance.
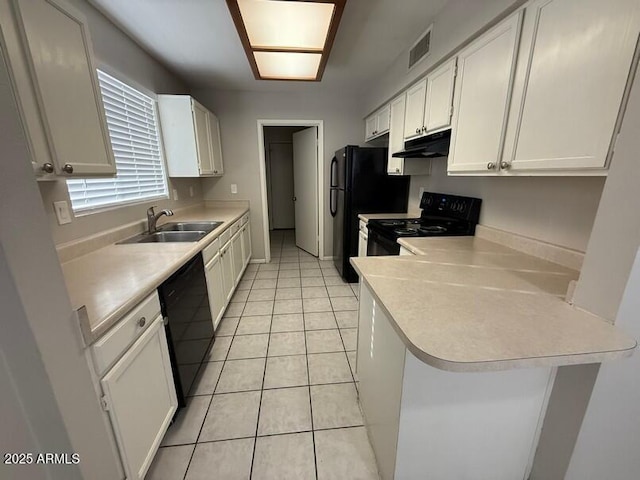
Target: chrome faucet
point(152, 218)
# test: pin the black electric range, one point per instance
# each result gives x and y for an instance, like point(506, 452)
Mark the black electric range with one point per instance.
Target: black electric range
point(442, 215)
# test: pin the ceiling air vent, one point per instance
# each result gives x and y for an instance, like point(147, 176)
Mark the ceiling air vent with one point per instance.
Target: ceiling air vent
point(421, 48)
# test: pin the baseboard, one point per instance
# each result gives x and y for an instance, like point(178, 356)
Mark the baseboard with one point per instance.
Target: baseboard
point(257, 260)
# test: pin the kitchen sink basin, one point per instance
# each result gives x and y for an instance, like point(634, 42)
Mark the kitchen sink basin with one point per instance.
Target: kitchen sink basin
point(166, 237)
point(189, 226)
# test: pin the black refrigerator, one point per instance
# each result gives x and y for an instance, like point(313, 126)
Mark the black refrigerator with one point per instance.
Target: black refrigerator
point(360, 184)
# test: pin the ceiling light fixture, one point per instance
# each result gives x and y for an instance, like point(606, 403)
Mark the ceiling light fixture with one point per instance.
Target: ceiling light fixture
point(287, 39)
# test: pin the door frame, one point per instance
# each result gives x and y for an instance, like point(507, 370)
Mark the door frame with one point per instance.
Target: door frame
point(263, 178)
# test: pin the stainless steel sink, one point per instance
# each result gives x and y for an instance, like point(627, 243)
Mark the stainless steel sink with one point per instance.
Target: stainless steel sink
point(166, 237)
point(189, 226)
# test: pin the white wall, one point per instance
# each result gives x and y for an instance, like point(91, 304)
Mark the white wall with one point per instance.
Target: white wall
point(558, 210)
point(239, 112)
point(119, 55)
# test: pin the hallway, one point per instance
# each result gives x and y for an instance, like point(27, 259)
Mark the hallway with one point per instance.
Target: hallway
point(278, 398)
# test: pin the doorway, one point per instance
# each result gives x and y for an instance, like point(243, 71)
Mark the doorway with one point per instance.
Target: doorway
point(291, 171)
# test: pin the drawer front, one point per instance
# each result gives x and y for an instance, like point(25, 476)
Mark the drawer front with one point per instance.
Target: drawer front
point(225, 236)
point(115, 342)
point(211, 251)
point(245, 218)
point(236, 227)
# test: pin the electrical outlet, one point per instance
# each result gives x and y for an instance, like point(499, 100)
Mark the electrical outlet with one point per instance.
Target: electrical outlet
point(175, 194)
point(191, 191)
point(62, 212)
point(234, 188)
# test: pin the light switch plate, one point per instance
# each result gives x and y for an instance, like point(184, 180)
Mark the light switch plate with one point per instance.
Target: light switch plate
point(234, 188)
point(62, 212)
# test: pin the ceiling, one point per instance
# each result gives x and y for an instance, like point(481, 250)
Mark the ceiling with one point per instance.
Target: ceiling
point(197, 40)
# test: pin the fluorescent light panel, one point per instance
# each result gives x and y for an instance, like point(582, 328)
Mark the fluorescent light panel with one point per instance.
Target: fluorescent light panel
point(287, 40)
point(285, 24)
point(288, 65)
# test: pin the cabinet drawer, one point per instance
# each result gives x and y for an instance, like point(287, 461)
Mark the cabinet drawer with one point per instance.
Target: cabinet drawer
point(115, 342)
point(225, 236)
point(236, 227)
point(211, 251)
point(245, 218)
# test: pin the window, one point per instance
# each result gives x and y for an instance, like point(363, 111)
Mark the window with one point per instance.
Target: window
point(133, 129)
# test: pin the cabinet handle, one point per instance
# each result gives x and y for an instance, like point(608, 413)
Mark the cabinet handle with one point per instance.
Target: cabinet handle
point(142, 322)
point(505, 165)
point(491, 166)
point(47, 168)
point(68, 168)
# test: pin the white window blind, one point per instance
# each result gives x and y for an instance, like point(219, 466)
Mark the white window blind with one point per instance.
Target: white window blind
point(134, 132)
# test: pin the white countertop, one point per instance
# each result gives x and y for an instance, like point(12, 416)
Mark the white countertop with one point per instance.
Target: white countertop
point(381, 216)
point(468, 304)
point(112, 280)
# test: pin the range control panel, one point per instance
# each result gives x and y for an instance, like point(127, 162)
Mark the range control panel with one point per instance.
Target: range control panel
point(451, 206)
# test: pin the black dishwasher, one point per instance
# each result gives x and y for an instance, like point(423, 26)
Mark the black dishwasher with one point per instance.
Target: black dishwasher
point(185, 307)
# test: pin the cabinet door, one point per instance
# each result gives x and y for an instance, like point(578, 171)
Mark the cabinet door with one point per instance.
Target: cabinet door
point(216, 145)
point(141, 399)
point(383, 120)
point(570, 82)
point(481, 99)
point(215, 289)
point(238, 261)
point(228, 275)
point(414, 116)
point(371, 124)
point(396, 134)
point(60, 55)
point(246, 243)
point(203, 138)
point(362, 244)
point(439, 104)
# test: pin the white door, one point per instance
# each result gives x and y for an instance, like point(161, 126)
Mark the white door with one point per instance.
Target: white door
point(439, 105)
point(216, 145)
point(280, 191)
point(414, 116)
point(246, 243)
point(362, 244)
point(141, 399)
point(203, 138)
point(305, 175)
point(566, 100)
point(481, 99)
point(396, 135)
point(238, 261)
point(228, 276)
point(382, 120)
point(370, 126)
point(215, 289)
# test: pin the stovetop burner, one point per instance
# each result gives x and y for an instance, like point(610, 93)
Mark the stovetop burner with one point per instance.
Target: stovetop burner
point(404, 232)
point(433, 229)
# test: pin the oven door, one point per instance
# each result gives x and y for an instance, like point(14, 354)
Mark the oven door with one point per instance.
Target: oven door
point(378, 245)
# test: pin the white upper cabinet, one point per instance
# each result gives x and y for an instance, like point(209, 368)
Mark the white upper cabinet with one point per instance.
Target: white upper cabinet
point(377, 124)
point(481, 99)
point(402, 166)
point(191, 135)
point(414, 114)
point(429, 102)
point(439, 103)
point(573, 66)
point(57, 88)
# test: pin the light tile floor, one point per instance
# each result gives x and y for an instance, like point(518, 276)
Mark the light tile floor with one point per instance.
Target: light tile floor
point(277, 400)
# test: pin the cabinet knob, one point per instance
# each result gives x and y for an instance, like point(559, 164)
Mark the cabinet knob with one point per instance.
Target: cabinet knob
point(505, 165)
point(142, 322)
point(47, 168)
point(215, 171)
point(491, 166)
point(417, 130)
point(397, 170)
point(68, 168)
point(424, 129)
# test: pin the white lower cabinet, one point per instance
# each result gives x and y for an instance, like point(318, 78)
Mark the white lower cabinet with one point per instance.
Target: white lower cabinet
point(238, 260)
point(404, 251)
point(362, 244)
point(228, 275)
point(453, 425)
point(139, 395)
point(215, 289)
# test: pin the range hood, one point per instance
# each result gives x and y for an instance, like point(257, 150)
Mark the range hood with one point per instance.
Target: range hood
point(431, 146)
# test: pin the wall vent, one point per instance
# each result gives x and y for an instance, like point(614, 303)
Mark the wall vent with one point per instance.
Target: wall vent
point(421, 48)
